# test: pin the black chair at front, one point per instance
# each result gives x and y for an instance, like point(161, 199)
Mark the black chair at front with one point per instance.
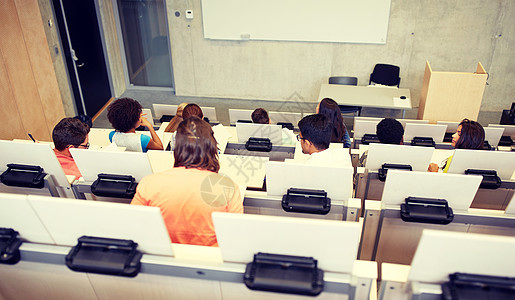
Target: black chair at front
point(346, 80)
point(386, 75)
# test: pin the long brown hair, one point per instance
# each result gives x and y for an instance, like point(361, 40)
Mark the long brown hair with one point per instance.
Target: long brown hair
point(174, 123)
point(472, 135)
point(329, 108)
point(196, 146)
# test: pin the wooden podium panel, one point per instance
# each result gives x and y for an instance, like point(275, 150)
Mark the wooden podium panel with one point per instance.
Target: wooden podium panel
point(451, 96)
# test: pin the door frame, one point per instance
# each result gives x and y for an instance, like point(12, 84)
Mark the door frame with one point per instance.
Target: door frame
point(71, 68)
point(128, 84)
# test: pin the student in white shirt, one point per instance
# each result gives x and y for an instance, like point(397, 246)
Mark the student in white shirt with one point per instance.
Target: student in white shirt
point(315, 137)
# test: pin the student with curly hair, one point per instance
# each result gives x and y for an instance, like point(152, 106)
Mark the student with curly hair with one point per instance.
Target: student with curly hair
point(188, 193)
point(125, 116)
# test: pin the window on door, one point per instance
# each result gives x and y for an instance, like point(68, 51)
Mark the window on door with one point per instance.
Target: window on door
point(145, 40)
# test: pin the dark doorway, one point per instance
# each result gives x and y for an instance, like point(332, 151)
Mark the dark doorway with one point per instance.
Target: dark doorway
point(83, 50)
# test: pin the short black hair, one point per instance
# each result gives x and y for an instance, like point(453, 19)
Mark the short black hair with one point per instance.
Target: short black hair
point(260, 116)
point(317, 129)
point(69, 131)
point(124, 113)
point(390, 131)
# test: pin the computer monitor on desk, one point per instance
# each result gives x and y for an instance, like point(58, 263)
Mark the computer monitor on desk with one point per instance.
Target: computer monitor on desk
point(161, 110)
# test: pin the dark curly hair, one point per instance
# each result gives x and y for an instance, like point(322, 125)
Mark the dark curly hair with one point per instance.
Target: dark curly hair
point(260, 116)
point(390, 131)
point(124, 113)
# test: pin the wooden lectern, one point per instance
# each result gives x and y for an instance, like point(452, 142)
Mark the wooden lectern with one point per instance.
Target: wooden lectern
point(451, 96)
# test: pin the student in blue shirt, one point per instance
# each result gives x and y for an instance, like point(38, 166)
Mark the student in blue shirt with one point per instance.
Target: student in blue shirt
point(125, 116)
point(329, 108)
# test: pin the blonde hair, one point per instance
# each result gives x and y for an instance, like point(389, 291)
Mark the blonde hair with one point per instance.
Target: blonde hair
point(174, 123)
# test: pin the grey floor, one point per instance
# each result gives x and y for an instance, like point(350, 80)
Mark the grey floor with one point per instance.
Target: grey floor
point(222, 105)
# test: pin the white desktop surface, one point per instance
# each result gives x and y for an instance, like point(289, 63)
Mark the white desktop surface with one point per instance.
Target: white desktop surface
point(336, 181)
point(93, 162)
point(244, 170)
point(501, 161)
point(509, 130)
point(209, 112)
point(37, 154)
point(437, 132)
point(441, 253)
point(287, 117)
point(248, 130)
point(239, 114)
point(164, 109)
point(160, 160)
point(67, 220)
point(17, 213)
point(368, 96)
point(418, 157)
point(222, 136)
point(458, 190)
point(493, 135)
point(241, 236)
point(362, 127)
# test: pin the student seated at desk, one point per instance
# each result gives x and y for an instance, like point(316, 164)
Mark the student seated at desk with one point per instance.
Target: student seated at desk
point(125, 116)
point(193, 189)
point(315, 137)
point(260, 116)
point(388, 131)
point(339, 134)
point(69, 133)
point(174, 123)
point(190, 110)
point(469, 135)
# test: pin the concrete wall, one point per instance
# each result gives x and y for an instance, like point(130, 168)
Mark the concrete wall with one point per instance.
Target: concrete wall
point(453, 35)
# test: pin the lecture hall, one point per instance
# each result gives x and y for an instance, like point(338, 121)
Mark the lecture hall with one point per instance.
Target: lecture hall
point(273, 149)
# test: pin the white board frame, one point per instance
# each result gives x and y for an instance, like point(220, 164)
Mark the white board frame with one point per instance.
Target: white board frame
point(337, 21)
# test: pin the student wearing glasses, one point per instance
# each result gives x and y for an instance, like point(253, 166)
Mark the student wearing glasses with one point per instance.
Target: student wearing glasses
point(125, 116)
point(469, 135)
point(69, 133)
point(315, 137)
point(188, 193)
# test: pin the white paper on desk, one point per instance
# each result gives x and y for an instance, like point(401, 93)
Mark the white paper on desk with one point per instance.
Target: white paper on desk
point(222, 136)
point(398, 102)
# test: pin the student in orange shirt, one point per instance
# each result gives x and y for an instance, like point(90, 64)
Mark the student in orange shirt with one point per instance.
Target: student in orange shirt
point(193, 189)
point(69, 133)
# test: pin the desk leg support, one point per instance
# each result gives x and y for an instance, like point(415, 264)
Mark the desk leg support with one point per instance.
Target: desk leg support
point(369, 233)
